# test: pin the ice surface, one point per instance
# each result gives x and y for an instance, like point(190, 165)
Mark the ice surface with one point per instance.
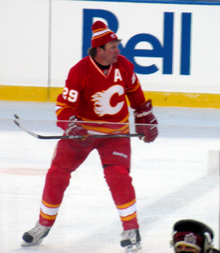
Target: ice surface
point(175, 177)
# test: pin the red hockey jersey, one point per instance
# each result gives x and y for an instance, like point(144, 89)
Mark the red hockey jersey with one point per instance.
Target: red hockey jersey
point(99, 95)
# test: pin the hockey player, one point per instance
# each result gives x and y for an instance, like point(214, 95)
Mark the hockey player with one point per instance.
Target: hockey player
point(95, 91)
point(192, 236)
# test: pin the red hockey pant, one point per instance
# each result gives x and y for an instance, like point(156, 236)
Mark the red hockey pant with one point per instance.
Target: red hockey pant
point(69, 155)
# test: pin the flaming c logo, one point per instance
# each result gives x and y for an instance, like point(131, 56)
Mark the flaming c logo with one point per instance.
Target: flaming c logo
point(102, 100)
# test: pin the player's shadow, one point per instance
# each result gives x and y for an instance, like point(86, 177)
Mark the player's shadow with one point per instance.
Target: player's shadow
point(178, 199)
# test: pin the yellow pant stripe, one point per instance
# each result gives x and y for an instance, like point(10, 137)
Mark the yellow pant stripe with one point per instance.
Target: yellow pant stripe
point(130, 217)
point(127, 204)
point(48, 217)
point(50, 205)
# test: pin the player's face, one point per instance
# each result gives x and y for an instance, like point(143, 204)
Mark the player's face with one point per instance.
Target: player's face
point(110, 53)
point(186, 248)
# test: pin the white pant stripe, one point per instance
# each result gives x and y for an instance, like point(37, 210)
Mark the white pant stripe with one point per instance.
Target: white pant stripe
point(49, 210)
point(128, 211)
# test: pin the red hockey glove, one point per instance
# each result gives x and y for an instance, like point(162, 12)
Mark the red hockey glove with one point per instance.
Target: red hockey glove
point(143, 115)
point(75, 128)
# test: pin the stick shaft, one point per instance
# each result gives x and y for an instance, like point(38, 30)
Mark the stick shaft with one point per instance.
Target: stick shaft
point(50, 137)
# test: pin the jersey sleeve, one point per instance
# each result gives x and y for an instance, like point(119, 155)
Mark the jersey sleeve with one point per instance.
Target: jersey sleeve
point(63, 112)
point(136, 97)
point(67, 102)
point(133, 88)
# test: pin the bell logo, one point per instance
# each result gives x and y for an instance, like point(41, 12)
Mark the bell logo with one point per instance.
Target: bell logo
point(159, 49)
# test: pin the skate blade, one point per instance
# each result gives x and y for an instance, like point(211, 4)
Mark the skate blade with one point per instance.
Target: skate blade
point(27, 244)
point(134, 249)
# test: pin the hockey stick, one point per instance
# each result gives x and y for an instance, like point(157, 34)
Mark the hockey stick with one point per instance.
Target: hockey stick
point(72, 136)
